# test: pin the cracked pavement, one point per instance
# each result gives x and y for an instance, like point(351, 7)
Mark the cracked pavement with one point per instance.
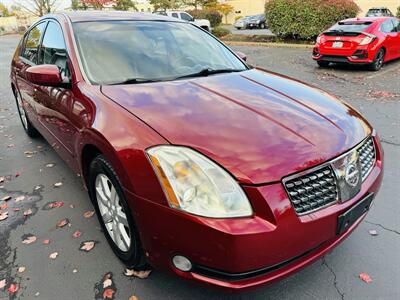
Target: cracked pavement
point(333, 277)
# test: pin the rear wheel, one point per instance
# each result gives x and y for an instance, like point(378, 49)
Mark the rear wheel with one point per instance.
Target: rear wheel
point(26, 124)
point(378, 61)
point(323, 64)
point(114, 214)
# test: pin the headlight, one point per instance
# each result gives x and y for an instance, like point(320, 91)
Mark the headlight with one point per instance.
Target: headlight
point(197, 185)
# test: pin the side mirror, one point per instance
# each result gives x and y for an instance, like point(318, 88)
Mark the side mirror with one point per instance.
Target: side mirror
point(47, 75)
point(241, 55)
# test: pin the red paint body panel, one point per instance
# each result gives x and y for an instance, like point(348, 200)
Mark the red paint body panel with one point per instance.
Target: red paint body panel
point(388, 41)
point(258, 125)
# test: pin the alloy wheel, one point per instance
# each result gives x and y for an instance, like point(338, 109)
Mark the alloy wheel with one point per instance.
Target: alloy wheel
point(112, 212)
point(379, 59)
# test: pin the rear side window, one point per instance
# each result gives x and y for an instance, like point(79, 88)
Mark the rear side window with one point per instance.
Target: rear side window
point(350, 26)
point(186, 17)
point(32, 42)
point(387, 26)
point(175, 15)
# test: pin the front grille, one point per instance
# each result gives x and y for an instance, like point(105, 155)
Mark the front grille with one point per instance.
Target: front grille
point(334, 58)
point(367, 157)
point(313, 190)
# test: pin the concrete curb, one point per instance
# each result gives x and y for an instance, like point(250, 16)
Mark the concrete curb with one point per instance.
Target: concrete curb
point(270, 44)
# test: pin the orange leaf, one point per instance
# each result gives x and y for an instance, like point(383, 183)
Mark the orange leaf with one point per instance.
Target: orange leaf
point(13, 288)
point(133, 298)
point(365, 277)
point(46, 242)
point(77, 234)
point(108, 293)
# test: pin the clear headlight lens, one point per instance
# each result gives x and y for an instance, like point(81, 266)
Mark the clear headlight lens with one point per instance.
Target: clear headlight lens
point(197, 185)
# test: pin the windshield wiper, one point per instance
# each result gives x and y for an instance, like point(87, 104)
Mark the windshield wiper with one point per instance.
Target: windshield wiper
point(135, 80)
point(208, 71)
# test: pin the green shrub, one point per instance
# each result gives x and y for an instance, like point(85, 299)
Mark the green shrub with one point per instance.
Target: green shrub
point(212, 15)
point(305, 19)
point(220, 31)
point(398, 12)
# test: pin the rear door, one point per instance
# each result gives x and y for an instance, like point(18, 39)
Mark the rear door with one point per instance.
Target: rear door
point(396, 23)
point(391, 39)
point(27, 58)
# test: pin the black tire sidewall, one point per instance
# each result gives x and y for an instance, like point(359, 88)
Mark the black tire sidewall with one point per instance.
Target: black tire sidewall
point(30, 130)
point(134, 257)
point(373, 66)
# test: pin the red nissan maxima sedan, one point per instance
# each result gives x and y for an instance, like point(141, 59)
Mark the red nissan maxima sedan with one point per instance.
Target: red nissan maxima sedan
point(195, 162)
point(368, 41)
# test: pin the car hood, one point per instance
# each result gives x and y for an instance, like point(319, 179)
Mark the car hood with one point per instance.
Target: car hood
point(258, 125)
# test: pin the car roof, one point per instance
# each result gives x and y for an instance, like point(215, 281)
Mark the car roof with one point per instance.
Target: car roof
point(86, 16)
point(367, 19)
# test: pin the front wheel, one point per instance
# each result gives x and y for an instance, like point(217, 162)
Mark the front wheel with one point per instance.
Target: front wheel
point(323, 64)
point(26, 124)
point(378, 61)
point(114, 214)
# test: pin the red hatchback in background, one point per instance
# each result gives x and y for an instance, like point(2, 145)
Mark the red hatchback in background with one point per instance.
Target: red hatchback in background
point(369, 41)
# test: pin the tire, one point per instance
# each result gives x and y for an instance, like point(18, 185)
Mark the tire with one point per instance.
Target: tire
point(323, 64)
point(262, 26)
point(132, 255)
point(29, 129)
point(378, 61)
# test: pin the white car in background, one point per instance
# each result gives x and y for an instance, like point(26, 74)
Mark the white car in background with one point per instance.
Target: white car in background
point(182, 15)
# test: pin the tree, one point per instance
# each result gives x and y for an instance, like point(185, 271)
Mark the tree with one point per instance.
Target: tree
point(224, 9)
point(124, 5)
point(199, 3)
point(4, 12)
point(96, 4)
point(39, 7)
point(166, 4)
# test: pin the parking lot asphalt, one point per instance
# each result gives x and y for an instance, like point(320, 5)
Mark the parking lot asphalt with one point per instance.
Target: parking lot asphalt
point(76, 274)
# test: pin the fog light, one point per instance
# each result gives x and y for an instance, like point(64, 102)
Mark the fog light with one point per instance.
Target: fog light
point(182, 263)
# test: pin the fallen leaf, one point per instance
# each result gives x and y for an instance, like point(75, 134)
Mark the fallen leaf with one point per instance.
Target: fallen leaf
point(3, 215)
point(365, 277)
point(6, 198)
point(19, 198)
point(46, 242)
point(373, 232)
point(88, 214)
point(138, 274)
point(133, 298)
point(28, 212)
point(87, 246)
point(77, 234)
point(50, 165)
point(17, 209)
point(3, 206)
point(107, 283)
point(10, 145)
point(21, 269)
point(53, 255)
point(55, 204)
point(38, 187)
point(74, 271)
point(3, 283)
point(17, 174)
point(72, 206)
point(2, 179)
point(62, 223)
point(108, 293)
point(13, 288)
point(29, 240)
point(37, 294)
point(58, 184)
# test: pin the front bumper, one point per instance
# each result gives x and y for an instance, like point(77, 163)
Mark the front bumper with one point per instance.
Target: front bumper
point(242, 253)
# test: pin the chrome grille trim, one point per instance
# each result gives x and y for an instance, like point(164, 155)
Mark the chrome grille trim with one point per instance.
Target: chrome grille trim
point(301, 181)
point(367, 155)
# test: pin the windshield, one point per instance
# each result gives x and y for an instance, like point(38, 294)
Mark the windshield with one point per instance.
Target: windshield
point(115, 52)
point(350, 26)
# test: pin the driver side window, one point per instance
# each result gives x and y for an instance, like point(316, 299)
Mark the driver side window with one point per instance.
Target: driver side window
point(53, 50)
